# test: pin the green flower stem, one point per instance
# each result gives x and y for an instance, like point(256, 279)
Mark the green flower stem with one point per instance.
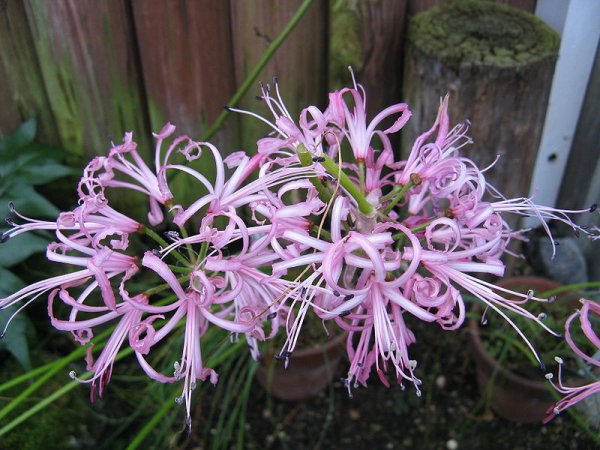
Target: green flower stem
point(203, 252)
point(361, 175)
point(305, 158)
point(322, 232)
point(399, 195)
point(160, 241)
point(179, 269)
point(363, 205)
point(260, 65)
point(190, 250)
point(390, 194)
point(164, 286)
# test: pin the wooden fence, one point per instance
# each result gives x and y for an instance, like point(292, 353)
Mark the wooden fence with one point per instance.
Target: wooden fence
point(91, 70)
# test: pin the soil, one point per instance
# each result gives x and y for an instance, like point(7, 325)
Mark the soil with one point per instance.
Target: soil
point(450, 414)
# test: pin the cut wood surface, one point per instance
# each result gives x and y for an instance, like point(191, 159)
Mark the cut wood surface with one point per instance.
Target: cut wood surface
point(496, 63)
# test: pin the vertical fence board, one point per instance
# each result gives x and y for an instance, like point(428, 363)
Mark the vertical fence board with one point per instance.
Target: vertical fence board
point(22, 93)
point(300, 63)
point(185, 51)
point(85, 50)
point(382, 35)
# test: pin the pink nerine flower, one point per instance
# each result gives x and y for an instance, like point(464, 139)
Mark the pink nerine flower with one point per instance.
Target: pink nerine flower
point(589, 312)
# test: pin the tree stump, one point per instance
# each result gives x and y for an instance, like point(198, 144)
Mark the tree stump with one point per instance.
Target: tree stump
point(496, 62)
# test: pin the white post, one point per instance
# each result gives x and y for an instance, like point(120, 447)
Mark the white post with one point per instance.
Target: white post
point(580, 34)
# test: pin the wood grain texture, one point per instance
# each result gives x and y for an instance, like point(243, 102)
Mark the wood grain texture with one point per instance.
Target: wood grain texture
point(87, 60)
point(300, 63)
point(185, 51)
point(22, 92)
point(503, 93)
point(382, 38)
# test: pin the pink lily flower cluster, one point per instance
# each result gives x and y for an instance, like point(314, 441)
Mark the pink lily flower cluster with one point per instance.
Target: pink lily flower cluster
point(323, 223)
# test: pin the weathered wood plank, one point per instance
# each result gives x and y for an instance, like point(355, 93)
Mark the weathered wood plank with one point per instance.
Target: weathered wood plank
point(22, 93)
point(87, 60)
point(382, 36)
point(186, 57)
point(300, 63)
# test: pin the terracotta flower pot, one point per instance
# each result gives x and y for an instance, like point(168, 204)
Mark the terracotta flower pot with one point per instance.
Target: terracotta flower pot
point(308, 373)
point(512, 396)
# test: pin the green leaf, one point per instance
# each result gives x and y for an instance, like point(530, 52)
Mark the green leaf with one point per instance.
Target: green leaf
point(15, 338)
point(19, 138)
point(9, 282)
point(44, 173)
point(19, 248)
point(28, 202)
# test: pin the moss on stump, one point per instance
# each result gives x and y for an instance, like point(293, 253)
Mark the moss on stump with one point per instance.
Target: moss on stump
point(497, 63)
point(482, 33)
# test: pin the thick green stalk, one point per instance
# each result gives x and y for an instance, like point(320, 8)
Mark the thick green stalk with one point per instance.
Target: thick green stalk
point(364, 206)
point(305, 158)
point(399, 196)
point(160, 241)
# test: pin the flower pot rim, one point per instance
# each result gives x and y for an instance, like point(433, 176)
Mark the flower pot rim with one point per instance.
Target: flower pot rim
point(333, 341)
point(474, 331)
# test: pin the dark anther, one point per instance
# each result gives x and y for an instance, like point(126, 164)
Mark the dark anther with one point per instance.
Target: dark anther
point(275, 80)
point(283, 355)
point(259, 98)
point(330, 177)
point(272, 315)
point(318, 159)
point(576, 231)
point(10, 222)
point(557, 243)
point(344, 314)
point(594, 207)
point(156, 253)
point(349, 297)
point(4, 237)
point(336, 293)
point(171, 235)
point(11, 206)
point(543, 366)
point(227, 108)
